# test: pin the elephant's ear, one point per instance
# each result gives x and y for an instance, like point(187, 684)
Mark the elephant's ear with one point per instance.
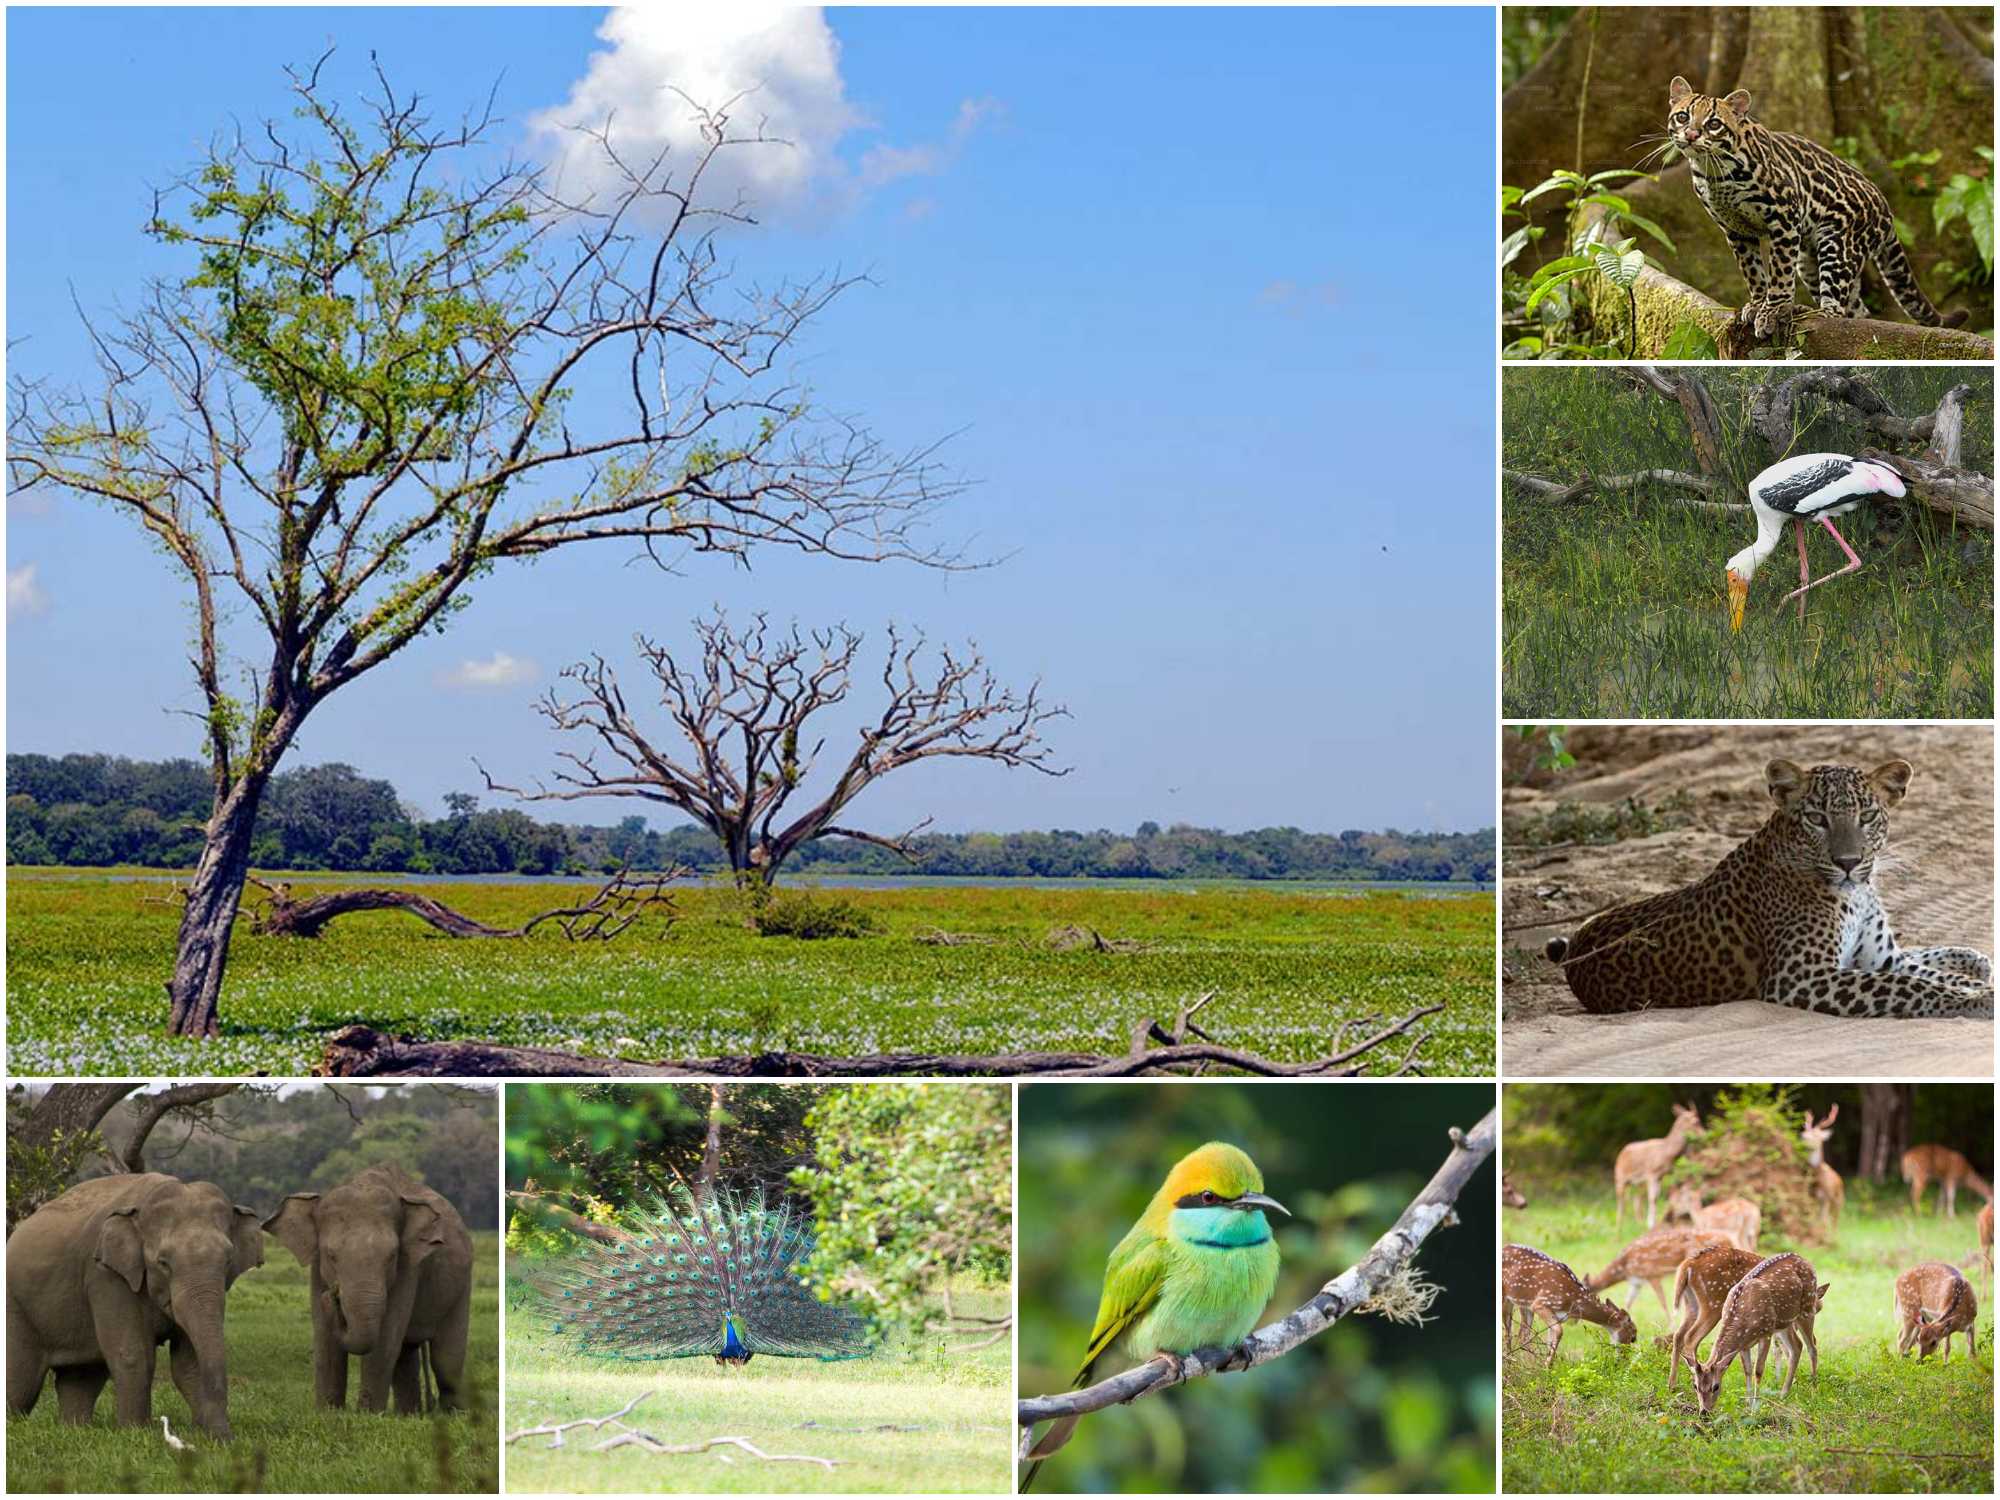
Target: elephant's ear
point(247, 1233)
point(119, 1248)
point(296, 1226)
point(423, 1229)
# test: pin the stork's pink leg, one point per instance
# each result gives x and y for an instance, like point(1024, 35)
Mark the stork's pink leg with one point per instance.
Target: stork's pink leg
point(1853, 561)
point(1799, 530)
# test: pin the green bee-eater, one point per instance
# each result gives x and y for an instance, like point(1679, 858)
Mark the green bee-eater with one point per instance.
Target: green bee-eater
point(1194, 1273)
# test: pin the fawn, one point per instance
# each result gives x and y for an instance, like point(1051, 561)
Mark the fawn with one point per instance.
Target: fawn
point(1652, 1258)
point(1701, 1285)
point(1923, 1165)
point(1538, 1285)
point(1934, 1302)
point(1738, 1218)
point(1648, 1161)
point(1777, 1298)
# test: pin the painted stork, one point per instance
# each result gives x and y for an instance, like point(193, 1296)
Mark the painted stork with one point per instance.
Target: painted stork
point(1810, 487)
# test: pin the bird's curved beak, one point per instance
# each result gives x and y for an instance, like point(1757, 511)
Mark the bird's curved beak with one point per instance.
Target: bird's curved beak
point(1739, 594)
point(1257, 1200)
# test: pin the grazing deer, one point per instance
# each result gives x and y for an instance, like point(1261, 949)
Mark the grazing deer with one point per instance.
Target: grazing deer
point(1652, 1258)
point(1778, 1298)
point(1827, 1186)
point(1923, 1165)
point(1986, 1246)
point(1738, 1218)
point(1648, 1161)
point(1934, 1302)
point(1509, 1194)
point(1537, 1285)
point(1701, 1286)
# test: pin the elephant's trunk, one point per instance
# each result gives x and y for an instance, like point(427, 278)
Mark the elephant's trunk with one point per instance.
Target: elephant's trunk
point(198, 1313)
point(357, 1317)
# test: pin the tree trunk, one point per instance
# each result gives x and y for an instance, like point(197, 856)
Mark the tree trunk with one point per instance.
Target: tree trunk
point(195, 991)
point(1885, 1128)
point(711, 1151)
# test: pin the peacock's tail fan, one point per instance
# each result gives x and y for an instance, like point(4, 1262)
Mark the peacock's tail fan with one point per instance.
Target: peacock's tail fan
point(678, 1272)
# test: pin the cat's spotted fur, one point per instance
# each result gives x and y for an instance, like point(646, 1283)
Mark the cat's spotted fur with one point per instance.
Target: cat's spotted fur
point(1779, 198)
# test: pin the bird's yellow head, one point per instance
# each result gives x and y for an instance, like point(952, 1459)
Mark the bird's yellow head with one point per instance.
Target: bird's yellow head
point(1217, 1175)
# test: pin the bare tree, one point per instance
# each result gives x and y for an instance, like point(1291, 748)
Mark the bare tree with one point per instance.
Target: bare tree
point(362, 401)
point(50, 1136)
point(743, 713)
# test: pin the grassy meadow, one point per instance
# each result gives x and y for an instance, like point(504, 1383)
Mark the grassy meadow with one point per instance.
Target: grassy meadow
point(1602, 1418)
point(1614, 606)
point(87, 957)
point(283, 1443)
point(912, 1418)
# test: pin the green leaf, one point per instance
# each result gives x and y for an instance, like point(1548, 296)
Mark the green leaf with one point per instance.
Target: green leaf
point(1689, 340)
point(1651, 228)
point(1621, 268)
point(1509, 196)
point(1617, 172)
point(1535, 297)
point(1609, 200)
point(1519, 240)
point(1564, 179)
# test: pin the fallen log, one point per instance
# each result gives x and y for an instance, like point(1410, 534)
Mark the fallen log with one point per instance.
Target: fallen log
point(619, 902)
point(363, 1052)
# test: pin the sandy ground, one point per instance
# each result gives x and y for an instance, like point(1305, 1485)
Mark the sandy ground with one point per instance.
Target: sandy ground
point(1936, 881)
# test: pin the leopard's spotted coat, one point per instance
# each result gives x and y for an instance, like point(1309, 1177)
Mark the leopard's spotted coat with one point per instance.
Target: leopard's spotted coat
point(1790, 916)
point(1777, 197)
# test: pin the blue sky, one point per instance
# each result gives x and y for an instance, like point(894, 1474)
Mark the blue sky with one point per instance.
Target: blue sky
point(1194, 290)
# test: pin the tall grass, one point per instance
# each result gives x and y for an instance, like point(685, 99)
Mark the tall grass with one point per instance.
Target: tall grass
point(1614, 606)
point(1602, 1420)
point(283, 1443)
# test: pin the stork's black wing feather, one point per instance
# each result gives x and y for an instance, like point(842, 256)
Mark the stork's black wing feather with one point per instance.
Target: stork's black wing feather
point(1791, 492)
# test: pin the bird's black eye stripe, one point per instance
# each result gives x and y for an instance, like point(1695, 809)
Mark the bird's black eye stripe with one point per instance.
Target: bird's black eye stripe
point(1204, 1199)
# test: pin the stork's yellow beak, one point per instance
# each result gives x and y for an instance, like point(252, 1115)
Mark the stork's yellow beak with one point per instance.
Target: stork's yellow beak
point(1739, 594)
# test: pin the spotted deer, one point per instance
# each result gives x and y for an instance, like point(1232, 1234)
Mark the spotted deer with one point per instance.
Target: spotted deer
point(1986, 1246)
point(1701, 1285)
point(1648, 1162)
point(1738, 1218)
point(1511, 1195)
point(1652, 1258)
point(1540, 1286)
point(1826, 1185)
point(1923, 1165)
point(1934, 1302)
point(1778, 1298)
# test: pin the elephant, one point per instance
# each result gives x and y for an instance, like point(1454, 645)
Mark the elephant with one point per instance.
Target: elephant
point(391, 1268)
point(100, 1277)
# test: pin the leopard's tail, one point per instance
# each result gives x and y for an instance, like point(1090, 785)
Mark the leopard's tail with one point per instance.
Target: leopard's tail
point(1901, 279)
point(1556, 948)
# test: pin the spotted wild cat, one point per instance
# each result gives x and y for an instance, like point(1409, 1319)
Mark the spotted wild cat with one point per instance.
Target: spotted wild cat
point(1778, 196)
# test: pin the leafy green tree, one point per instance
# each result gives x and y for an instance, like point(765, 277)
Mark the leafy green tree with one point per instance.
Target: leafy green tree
point(354, 398)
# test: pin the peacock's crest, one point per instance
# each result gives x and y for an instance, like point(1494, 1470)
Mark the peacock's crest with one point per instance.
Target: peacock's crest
point(686, 1276)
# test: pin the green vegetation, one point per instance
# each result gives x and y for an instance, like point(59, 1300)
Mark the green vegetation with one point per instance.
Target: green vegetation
point(87, 955)
point(1586, 823)
point(1601, 1420)
point(918, 1416)
point(282, 1443)
point(1613, 605)
point(107, 810)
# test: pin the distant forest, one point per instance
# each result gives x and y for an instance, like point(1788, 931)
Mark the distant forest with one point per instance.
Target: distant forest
point(106, 810)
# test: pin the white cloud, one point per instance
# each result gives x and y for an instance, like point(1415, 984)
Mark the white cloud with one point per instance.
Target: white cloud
point(497, 671)
point(25, 594)
point(781, 65)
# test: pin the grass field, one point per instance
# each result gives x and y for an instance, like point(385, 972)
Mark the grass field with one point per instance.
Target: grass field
point(1602, 1419)
point(909, 1419)
point(87, 958)
point(1614, 606)
point(282, 1442)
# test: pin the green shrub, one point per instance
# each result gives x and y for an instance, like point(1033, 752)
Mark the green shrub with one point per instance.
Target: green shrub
point(810, 914)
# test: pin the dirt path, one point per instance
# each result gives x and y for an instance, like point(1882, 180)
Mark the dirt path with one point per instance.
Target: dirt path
point(1937, 882)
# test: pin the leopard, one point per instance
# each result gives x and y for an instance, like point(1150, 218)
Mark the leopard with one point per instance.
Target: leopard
point(1791, 916)
point(1778, 197)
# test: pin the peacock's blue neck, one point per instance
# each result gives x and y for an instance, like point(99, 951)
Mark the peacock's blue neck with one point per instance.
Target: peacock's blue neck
point(1219, 1228)
point(732, 1346)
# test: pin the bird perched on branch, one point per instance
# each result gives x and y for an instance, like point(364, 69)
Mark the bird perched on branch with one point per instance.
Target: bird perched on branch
point(688, 1275)
point(1194, 1273)
point(1808, 487)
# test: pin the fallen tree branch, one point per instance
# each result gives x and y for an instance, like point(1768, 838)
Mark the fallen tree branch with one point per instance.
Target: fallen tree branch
point(1707, 484)
point(630, 1435)
point(554, 1431)
point(1354, 1288)
point(618, 903)
point(363, 1052)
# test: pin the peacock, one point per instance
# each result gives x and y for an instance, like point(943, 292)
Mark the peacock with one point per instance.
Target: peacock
point(685, 1276)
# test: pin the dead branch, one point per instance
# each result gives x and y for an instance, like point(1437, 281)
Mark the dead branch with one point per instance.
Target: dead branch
point(621, 901)
point(628, 1435)
point(1353, 1289)
point(1707, 484)
point(363, 1052)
